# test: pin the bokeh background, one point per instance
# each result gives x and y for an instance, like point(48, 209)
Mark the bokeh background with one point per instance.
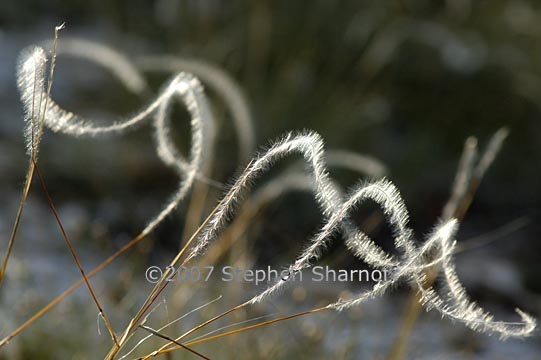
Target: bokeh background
point(403, 81)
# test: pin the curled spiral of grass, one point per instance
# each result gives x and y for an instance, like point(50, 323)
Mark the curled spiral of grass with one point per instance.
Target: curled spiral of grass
point(413, 259)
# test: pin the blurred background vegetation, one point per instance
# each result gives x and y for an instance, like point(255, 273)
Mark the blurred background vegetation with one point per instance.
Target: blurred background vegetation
point(404, 81)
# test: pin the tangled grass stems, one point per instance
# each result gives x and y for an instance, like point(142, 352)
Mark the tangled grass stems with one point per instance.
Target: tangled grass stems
point(237, 331)
point(37, 315)
point(467, 180)
point(130, 76)
point(410, 265)
point(310, 144)
point(290, 180)
point(337, 306)
point(158, 288)
point(58, 119)
point(196, 328)
point(156, 333)
point(166, 325)
point(387, 196)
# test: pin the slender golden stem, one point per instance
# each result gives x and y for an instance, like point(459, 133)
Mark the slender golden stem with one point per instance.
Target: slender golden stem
point(74, 254)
